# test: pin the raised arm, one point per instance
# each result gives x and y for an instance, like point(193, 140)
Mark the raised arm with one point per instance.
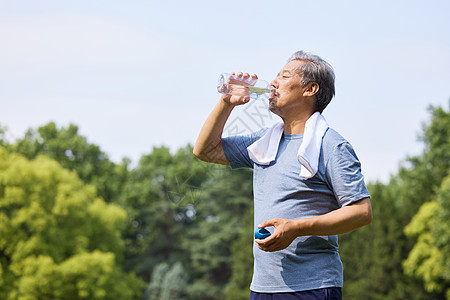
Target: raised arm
point(208, 146)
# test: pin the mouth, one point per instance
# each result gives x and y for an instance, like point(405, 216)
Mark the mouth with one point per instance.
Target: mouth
point(273, 94)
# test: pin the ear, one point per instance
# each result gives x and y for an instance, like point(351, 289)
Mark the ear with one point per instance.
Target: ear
point(311, 89)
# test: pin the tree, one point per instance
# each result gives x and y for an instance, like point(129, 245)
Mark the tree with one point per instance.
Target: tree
point(238, 287)
point(373, 255)
point(2, 135)
point(226, 197)
point(184, 210)
point(73, 152)
point(174, 284)
point(159, 198)
point(153, 291)
point(58, 240)
point(429, 260)
point(167, 283)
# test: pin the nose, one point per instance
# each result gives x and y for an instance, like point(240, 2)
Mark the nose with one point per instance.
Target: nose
point(274, 83)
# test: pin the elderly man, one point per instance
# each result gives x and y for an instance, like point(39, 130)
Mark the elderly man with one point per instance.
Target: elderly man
point(308, 186)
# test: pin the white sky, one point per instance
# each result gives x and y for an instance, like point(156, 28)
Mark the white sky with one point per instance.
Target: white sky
point(137, 74)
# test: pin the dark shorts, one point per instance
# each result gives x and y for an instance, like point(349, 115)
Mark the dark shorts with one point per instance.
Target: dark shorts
point(333, 293)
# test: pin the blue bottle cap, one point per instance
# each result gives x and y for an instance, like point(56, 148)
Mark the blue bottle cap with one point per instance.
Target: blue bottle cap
point(261, 233)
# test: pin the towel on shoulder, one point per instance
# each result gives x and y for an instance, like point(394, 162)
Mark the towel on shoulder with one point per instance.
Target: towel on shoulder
point(264, 150)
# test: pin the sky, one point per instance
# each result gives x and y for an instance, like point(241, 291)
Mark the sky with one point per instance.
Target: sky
point(133, 75)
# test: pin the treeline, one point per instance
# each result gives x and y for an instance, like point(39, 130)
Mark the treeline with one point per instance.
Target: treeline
point(75, 225)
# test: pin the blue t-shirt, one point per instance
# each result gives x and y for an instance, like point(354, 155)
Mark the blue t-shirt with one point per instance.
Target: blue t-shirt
point(310, 262)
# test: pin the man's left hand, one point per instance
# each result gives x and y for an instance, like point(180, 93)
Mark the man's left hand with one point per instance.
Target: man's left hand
point(283, 236)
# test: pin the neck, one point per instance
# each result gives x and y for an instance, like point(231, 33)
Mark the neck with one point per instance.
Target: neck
point(297, 125)
point(294, 127)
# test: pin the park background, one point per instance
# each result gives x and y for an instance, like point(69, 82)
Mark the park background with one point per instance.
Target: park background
point(101, 101)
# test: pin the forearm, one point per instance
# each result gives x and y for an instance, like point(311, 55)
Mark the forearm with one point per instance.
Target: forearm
point(208, 146)
point(345, 219)
point(342, 220)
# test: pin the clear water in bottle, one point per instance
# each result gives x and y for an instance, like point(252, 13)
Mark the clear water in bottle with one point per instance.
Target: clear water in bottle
point(255, 88)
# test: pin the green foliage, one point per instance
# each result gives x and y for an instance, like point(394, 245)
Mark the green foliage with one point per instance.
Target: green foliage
point(242, 261)
point(57, 239)
point(153, 291)
point(184, 210)
point(174, 283)
point(2, 135)
point(186, 227)
point(92, 275)
point(73, 152)
point(372, 255)
point(226, 196)
point(167, 283)
point(437, 140)
point(167, 198)
point(159, 198)
point(365, 258)
point(429, 260)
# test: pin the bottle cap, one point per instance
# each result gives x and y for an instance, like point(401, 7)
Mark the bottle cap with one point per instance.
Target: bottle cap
point(262, 233)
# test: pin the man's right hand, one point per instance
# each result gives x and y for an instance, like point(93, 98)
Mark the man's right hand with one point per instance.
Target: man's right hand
point(243, 79)
point(208, 146)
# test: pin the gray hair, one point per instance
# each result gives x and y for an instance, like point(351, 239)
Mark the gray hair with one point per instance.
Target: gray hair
point(319, 71)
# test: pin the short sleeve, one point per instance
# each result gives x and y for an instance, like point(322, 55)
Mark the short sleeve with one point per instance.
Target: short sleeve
point(344, 175)
point(235, 149)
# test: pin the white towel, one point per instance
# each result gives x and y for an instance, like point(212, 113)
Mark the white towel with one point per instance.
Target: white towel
point(264, 150)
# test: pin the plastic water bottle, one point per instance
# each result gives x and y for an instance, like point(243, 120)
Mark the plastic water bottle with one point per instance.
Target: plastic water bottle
point(233, 85)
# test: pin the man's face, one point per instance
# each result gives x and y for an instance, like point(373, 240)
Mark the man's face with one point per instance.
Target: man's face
point(288, 91)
